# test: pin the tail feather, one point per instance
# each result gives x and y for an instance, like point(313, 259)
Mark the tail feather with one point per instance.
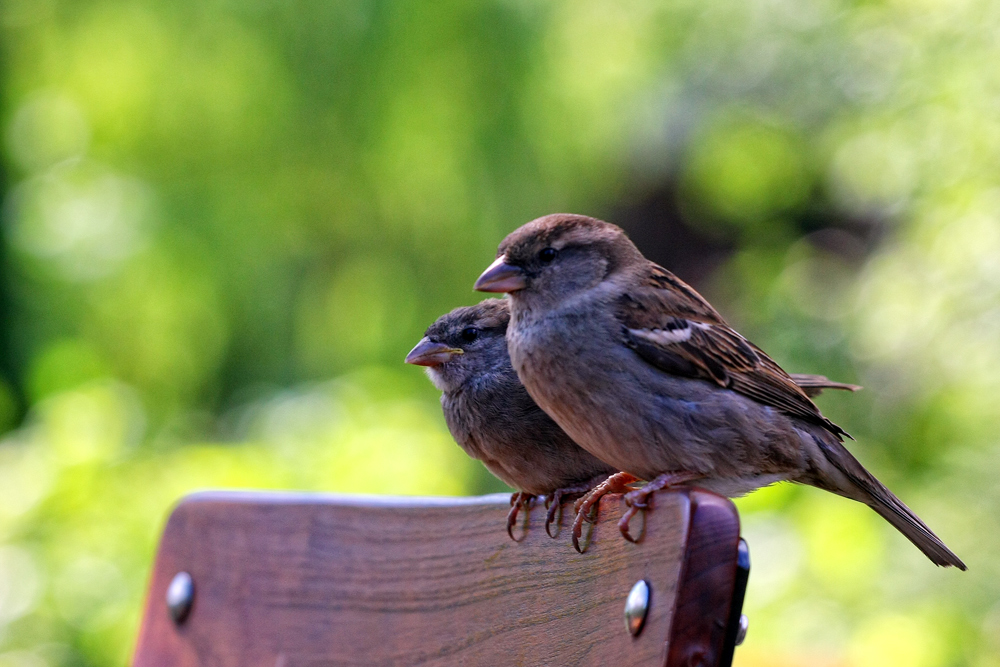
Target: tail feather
point(813, 385)
point(874, 494)
point(916, 531)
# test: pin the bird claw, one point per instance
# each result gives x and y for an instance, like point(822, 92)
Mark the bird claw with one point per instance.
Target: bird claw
point(623, 524)
point(586, 507)
point(517, 500)
point(553, 504)
point(635, 501)
point(578, 522)
point(512, 520)
point(554, 508)
point(642, 499)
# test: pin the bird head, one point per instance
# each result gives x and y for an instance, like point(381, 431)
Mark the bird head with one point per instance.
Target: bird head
point(465, 344)
point(557, 256)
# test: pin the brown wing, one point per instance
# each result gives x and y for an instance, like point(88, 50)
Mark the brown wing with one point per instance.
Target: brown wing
point(663, 292)
point(673, 328)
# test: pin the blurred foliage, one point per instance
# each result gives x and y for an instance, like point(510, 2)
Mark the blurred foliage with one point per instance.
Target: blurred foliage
point(224, 224)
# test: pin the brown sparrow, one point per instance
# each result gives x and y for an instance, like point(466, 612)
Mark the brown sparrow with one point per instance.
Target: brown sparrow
point(642, 372)
point(492, 417)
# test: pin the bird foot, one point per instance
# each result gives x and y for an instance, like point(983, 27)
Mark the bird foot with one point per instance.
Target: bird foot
point(587, 505)
point(641, 499)
point(553, 503)
point(517, 501)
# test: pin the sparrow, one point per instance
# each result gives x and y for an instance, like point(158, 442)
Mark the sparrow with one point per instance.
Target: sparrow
point(642, 372)
point(491, 416)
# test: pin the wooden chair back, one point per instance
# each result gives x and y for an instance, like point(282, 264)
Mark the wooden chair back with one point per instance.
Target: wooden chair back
point(296, 580)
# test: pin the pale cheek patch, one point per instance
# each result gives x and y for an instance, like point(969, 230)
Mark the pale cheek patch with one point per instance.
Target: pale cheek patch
point(435, 377)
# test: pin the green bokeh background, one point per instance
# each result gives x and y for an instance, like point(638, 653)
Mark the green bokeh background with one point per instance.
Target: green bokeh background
point(224, 224)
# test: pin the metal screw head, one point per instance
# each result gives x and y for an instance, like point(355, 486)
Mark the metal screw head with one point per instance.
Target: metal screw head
point(636, 607)
point(180, 596)
point(741, 632)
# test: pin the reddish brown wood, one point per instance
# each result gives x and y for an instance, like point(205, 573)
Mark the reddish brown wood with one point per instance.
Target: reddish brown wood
point(286, 580)
point(708, 578)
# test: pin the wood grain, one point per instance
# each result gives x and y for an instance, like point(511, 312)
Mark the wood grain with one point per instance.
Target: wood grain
point(285, 580)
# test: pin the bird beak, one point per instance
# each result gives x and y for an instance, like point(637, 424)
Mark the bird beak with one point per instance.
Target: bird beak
point(501, 277)
point(429, 353)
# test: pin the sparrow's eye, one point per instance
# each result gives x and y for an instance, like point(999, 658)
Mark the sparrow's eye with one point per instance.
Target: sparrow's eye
point(469, 334)
point(547, 255)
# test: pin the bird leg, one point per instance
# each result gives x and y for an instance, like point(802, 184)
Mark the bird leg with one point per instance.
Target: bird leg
point(639, 499)
point(617, 483)
point(553, 503)
point(517, 500)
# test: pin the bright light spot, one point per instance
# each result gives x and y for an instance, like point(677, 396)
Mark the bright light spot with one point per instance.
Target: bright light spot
point(19, 583)
point(25, 476)
point(81, 218)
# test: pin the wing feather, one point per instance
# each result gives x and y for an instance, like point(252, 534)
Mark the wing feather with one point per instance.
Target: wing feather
point(673, 328)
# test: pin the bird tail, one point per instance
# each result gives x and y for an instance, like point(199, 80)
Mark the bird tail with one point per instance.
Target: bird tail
point(813, 385)
point(870, 491)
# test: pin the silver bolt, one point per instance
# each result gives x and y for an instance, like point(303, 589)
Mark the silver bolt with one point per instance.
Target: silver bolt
point(636, 606)
point(180, 596)
point(741, 632)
